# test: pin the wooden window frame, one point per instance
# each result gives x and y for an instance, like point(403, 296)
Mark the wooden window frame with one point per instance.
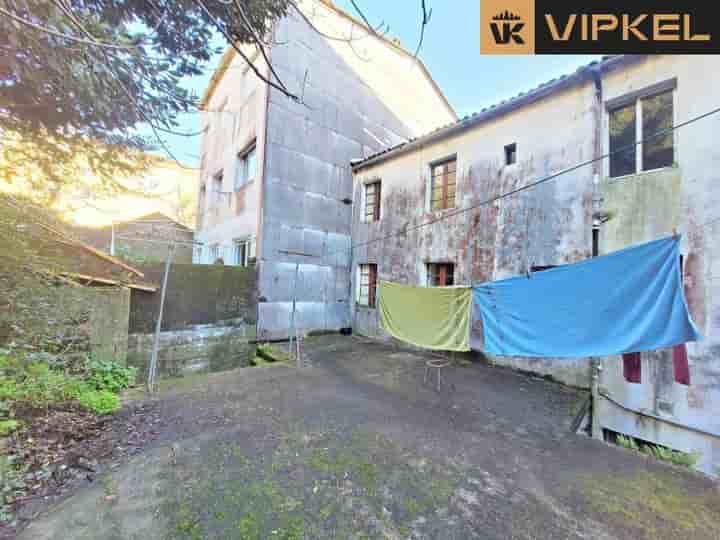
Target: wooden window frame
point(372, 207)
point(443, 270)
point(448, 178)
point(367, 282)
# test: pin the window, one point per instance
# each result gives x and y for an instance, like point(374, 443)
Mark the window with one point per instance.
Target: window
point(214, 253)
point(511, 154)
point(657, 149)
point(367, 285)
point(440, 274)
point(442, 185)
point(217, 185)
point(241, 253)
point(246, 168)
point(372, 201)
point(632, 367)
point(201, 205)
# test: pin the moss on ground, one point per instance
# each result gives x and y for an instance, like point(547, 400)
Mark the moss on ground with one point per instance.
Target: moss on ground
point(656, 504)
point(311, 485)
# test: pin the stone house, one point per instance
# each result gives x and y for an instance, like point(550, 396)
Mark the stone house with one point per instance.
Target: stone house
point(276, 181)
point(595, 205)
point(142, 240)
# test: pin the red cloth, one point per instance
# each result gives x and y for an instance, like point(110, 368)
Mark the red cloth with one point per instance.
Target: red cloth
point(632, 367)
point(680, 363)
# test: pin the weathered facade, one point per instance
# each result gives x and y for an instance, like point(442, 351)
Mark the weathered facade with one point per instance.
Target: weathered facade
point(276, 181)
point(209, 319)
point(596, 205)
point(142, 240)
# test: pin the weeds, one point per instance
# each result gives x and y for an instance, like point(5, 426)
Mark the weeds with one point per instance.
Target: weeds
point(676, 457)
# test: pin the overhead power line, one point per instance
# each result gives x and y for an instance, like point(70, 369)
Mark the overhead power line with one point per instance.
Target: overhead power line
point(531, 185)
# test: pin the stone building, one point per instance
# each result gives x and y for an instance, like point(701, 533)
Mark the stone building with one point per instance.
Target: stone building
point(276, 181)
point(142, 240)
point(595, 205)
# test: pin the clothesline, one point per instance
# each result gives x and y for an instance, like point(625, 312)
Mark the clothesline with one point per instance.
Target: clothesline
point(631, 300)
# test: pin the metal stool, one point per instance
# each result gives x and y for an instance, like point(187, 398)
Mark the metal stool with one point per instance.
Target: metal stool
point(437, 364)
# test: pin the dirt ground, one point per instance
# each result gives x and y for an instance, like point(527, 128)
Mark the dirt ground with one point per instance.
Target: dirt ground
point(356, 446)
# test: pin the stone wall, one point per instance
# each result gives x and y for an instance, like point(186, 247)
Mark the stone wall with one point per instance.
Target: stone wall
point(45, 316)
point(196, 295)
point(199, 348)
point(208, 321)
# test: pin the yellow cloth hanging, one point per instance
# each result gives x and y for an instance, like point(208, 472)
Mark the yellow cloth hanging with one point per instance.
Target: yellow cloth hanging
point(429, 317)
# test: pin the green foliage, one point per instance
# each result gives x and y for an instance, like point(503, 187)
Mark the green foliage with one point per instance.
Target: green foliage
point(36, 385)
point(98, 80)
point(627, 442)
point(99, 401)
point(110, 375)
point(682, 459)
point(8, 426)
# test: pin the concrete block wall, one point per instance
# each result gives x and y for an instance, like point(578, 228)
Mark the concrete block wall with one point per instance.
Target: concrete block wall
point(348, 111)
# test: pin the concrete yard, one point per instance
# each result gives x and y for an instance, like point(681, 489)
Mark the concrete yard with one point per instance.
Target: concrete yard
point(355, 446)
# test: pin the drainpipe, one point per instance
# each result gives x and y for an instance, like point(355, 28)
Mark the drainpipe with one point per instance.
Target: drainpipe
point(597, 168)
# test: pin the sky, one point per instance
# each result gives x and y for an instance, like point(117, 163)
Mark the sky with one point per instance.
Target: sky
point(451, 51)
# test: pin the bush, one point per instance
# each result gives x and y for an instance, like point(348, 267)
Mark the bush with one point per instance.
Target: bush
point(37, 385)
point(8, 426)
point(99, 401)
point(109, 375)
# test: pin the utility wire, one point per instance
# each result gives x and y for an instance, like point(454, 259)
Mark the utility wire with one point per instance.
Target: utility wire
point(531, 185)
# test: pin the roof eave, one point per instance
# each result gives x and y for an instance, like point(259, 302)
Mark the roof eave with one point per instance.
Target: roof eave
point(580, 76)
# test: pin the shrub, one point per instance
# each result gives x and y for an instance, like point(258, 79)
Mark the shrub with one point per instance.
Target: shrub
point(8, 426)
point(109, 375)
point(99, 401)
point(676, 457)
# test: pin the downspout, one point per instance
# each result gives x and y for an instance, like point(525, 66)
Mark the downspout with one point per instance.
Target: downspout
point(597, 168)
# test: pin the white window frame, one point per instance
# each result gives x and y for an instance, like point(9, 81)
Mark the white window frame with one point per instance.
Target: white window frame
point(636, 98)
point(217, 179)
point(247, 242)
point(242, 174)
point(214, 251)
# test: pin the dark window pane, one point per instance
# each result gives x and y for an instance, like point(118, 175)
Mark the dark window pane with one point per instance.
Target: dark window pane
point(657, 118)
point(622, 135)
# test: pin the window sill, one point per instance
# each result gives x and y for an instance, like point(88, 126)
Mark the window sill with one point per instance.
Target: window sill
point(365, 306)
point(650, 172)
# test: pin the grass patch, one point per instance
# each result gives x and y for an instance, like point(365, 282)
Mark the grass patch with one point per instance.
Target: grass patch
point(656, 505)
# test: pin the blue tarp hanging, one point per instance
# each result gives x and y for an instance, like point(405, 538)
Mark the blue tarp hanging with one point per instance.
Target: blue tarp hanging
point(628, 301)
